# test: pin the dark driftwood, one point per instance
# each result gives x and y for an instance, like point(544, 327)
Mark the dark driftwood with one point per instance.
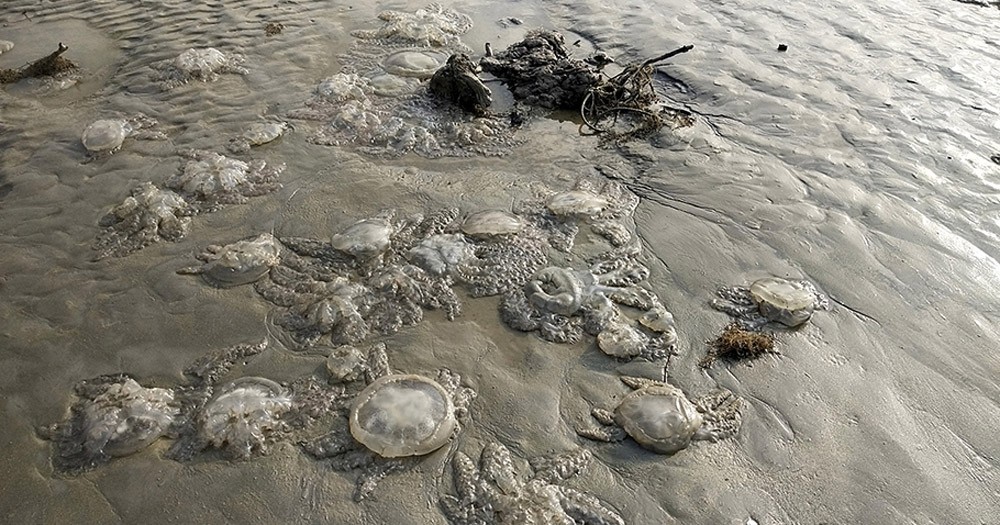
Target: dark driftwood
point(48, 66)
point(671, 54)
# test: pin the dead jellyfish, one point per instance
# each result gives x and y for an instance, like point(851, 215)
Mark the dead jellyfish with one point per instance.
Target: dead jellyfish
point(355, 122)
point(661, 418)
point(620, 338)
point(106, 136)
point(243, 416)
point(580, 204)
point(200, 61)
point(394, 419)
point(403, 415)
point(210, 174)
point(5, 46)
point(345, 364)
point(148, 215)
point(257, 134)
point(492, 223)
point(562, 291)
point(343, 87)
point(771, 299)
point(241, 262)
point(127, 418)
point(432, 26)
point(115, 416)
point(366, 238)
point(790, 303)
point(414, 63)
point(658, 319)
point(212, 178)
point(204, 64)
point(388, 85)
point(441, 254)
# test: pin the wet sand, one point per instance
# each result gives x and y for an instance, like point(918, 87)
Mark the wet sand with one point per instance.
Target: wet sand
point(858, 160)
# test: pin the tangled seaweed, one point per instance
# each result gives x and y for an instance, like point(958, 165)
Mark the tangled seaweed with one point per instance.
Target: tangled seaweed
point(738, 344)
point(540, 71)
point(630, 93)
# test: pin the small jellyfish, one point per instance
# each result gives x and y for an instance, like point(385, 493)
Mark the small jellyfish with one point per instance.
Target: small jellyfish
point(662, 419)
point(366, 238)
point(106, 136)
point(441, 254)
point(203, 64)
point(790, 303)
point(239, 263)
point(243, 416)
point(576, 204)
point(257, 134)
point(771, 299)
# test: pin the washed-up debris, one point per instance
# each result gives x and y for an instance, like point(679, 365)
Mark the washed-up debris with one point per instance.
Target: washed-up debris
point(458, 82)
point(627, 106)
point(738, 344)
point(540, 71)
point(49, 66)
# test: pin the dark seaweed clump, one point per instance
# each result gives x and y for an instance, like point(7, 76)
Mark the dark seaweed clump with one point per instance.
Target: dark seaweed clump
point(738, 344)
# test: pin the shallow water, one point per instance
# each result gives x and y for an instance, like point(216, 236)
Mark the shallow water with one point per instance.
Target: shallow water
point(859, 160)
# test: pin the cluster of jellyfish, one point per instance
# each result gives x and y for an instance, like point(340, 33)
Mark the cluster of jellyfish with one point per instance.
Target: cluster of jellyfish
point(380, 101)
point(364, 413)
point(206, 181)
point(380, 273)
point(377, 275)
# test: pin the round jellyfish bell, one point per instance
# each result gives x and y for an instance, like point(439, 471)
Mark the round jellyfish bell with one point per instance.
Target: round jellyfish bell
point(577, 204)
point(790, 303)
point(127, 418)
point(403, 415)
point(659, 417)
point(105, 136)
point(364, 239)
point(492, 223)
point(243, 414)
point(239, 263)
point(414, 63)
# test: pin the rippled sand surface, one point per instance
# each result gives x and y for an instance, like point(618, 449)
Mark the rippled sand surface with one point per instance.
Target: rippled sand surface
point(859, 160)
